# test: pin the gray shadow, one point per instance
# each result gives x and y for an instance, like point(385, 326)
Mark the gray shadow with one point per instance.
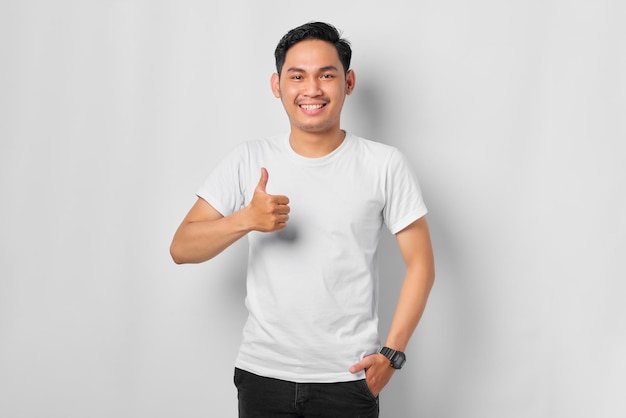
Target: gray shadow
point(364, 112)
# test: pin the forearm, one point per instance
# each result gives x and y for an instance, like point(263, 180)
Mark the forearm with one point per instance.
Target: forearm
point(204, 233)
point(199, 241)
point(411, 303)
point(416, 287)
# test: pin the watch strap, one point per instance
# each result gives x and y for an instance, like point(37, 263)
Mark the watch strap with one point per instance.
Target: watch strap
point(396, 358)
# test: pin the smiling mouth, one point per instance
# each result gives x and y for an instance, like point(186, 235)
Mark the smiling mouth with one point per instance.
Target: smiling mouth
point(312, 107)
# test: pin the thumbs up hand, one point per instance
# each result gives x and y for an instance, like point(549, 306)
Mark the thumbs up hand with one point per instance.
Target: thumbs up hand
point(267, 212)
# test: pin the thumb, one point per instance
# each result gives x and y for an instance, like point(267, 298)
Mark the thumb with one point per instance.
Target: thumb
point(355, 368)
point(263, 181)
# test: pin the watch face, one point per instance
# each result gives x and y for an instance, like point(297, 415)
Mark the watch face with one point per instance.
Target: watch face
point(398, 360)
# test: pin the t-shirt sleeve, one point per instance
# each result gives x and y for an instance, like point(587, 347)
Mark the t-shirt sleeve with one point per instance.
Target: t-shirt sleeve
point(404, 203)
point(223, 187)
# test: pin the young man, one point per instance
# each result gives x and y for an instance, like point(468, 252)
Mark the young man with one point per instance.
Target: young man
point(312, 204)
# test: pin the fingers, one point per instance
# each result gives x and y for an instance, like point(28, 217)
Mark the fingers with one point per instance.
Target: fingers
point(281, 204)
point(361, 365)
point(356, 368)
point(281, 210)
point(377, 372)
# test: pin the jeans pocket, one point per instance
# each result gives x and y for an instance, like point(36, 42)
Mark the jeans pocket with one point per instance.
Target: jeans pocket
point(364, 386)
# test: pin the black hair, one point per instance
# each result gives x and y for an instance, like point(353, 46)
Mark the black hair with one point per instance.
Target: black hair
point(313, 30)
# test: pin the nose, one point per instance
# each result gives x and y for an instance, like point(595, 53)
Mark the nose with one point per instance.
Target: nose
point(312, 87)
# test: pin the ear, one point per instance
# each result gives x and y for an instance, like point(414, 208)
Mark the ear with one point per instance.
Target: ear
point(275, 83)
point(350, 81)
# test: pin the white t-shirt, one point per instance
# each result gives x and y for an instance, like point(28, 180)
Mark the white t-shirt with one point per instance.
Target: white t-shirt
point(312, 288)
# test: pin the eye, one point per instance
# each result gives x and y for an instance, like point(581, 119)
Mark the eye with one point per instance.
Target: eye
point(327, 76)
point(296, 77)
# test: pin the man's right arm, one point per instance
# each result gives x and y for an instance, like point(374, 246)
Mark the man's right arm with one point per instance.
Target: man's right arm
point(204, 232)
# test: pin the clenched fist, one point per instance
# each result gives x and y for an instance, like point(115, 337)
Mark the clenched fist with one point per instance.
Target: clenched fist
point(267, 212)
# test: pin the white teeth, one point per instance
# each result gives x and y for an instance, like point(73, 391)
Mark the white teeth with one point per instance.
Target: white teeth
point(311, 107)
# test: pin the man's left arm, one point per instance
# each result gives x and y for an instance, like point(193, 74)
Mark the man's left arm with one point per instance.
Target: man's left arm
point(415, 246)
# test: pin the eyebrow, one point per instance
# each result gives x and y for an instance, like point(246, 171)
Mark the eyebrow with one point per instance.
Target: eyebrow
point(322, 69)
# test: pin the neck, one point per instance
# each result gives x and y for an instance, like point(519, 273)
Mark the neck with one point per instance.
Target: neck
point(315, 145)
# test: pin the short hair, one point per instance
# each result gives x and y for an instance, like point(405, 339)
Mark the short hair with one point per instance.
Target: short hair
point(313, 30)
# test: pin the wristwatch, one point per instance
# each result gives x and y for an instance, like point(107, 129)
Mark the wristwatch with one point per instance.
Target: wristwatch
point(396, 358)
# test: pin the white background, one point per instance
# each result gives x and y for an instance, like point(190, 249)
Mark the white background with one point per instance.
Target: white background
point(113, 112)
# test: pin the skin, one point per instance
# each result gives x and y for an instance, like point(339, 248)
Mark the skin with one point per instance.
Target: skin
point(313, 75)
point(312, 87)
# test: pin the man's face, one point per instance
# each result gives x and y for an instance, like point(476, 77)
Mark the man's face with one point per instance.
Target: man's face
point(313, 86)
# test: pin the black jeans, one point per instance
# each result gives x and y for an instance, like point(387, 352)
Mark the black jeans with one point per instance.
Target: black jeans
point(264, 397)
